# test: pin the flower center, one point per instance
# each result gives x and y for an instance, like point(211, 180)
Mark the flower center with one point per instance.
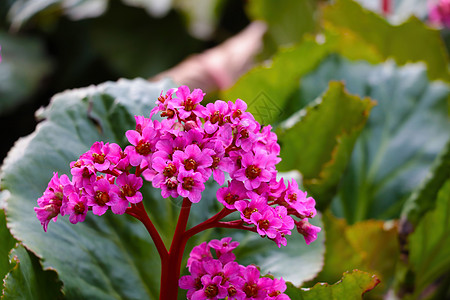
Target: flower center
point(231, 198)
point(189, 104)
point(188, 183)
point(252, 172)
point(169, 170)
point(169, 113)
point(190, 164)
point(79, 208)
point(171, 184)
point(143, 148)
point(128, 191)
point(263, 224)
point(216, 117)
point(231, 291)
point(216, 161)
point(98, 158)
point(292, 197)
point(101, 198)
point(237, 113)
point(248, 212)
point(211, 291)
point(244, 133)
point(251, 290)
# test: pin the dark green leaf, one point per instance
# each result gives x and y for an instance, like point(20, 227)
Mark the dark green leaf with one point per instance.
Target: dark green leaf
point(429, 246)
point(409, 42)
point(318, 141)
point(352, 286)
point(28, 281)
point(404, 133)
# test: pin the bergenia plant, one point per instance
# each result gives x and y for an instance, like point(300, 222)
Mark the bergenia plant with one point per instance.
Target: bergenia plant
point(178, 155)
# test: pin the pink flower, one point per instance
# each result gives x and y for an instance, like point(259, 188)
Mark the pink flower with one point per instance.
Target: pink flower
point(228, 196)
point(190, 185)
point(101, 195)
point(255, 287)
point(247, 208)
point(143, 145)
point(296, 199)
point(77, 208)
point(253, 170)
point(101, 156)
point(212, 289)
point(199, 253)
point(129, 187)
point(308, 230)
point(192, 158)
point(187, 103)
point(439, 13)
point(266, 222)
point(276, 290)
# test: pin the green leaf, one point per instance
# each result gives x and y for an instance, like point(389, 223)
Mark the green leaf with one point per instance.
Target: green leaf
point(27, 280)
point(318, 140)
point(266, 88)
point(17, 80)
point(430, 245)
point(108, 257)
point(422, 200)
point(287, 21)
point(371, 246)
point(404, 133)
point(409, 42)
point(352, 286)
point(7, 241)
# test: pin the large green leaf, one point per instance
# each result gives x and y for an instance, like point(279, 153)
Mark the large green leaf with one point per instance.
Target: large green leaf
point(429, 246)
point(404, 133)
point(28, 281)
point(353, 285)
point(409, 42)
point(318, 141)
point(104, 257)
point(17, 80)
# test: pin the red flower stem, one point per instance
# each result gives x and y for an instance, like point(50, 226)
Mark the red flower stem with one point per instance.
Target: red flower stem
point(210, 223)
point(171, 265)
point(138, 211)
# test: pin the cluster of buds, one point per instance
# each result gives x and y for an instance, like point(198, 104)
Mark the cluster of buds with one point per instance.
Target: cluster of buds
point(221, 277)
point(178, 155)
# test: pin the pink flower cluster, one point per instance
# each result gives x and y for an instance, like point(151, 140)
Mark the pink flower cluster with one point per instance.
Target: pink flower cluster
point(100, 181)
point(223, 278)
point(178, 155)
point(439, 13)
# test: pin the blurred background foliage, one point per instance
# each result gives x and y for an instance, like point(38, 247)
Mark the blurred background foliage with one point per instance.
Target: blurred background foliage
point(358, 94)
